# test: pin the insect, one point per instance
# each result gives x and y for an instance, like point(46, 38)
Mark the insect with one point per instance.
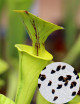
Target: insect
point(58, 82)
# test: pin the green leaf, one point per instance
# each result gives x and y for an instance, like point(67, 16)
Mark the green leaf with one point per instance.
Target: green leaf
point(38, 30)
point(76, 100)
point(5, 100)
point(1, 6)
point(78, 103)
point(32, 58)
point(16, 33)
point(30, 68)
point(41, 100)
point(12, 84)
point(79, 75)
point(3, 66)
point(74, 52)
point(70, 24)
point(2, 82)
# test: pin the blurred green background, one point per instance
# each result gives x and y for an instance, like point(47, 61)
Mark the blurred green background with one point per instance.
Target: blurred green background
point(64, 45)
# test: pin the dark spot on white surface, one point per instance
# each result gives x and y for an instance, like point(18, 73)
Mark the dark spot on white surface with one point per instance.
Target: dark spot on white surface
point(44, 68)
point(71, 86)
point(77, 77)
point(73, 83)
point(75, 72)
point(63, 67)
point(64, 79)
point(53, 91)
point(55, 98)
point(73, 93)
point(42, 77)
point(52, 71)
point(39, 75)
point(59, 86)
point(58, 68)
point(66, 83)
point(50, 82)
point(69, 77)
point(39, 85)
point(60, 78)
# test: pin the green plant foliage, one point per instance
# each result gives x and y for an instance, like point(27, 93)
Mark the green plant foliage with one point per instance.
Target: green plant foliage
point(15, 27)
point(3, 66)
point(74, 52)
point(70, 25)
point(5, 100)
point(32, 59)
point(38, 30)
point(2, 82)
point(30, 68)
point(76, 100)
point(1, 6)
point(15, 34)
point(79, 75)
point(12, 84)
point(41, 100)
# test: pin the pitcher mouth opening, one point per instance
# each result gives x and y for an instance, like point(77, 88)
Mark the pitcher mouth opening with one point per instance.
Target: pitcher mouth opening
point(29, 50)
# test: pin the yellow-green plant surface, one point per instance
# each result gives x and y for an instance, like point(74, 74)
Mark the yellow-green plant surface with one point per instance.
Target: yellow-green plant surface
point(30, 68)
point(32, 58)
point(41, 99)
point(38, 30)
point(5, 100)
point(3, 66)
point(15, 27)
point(70, 24)
point(76, 100)
point(2, 83)
point(74, 52)
point(78, 103)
